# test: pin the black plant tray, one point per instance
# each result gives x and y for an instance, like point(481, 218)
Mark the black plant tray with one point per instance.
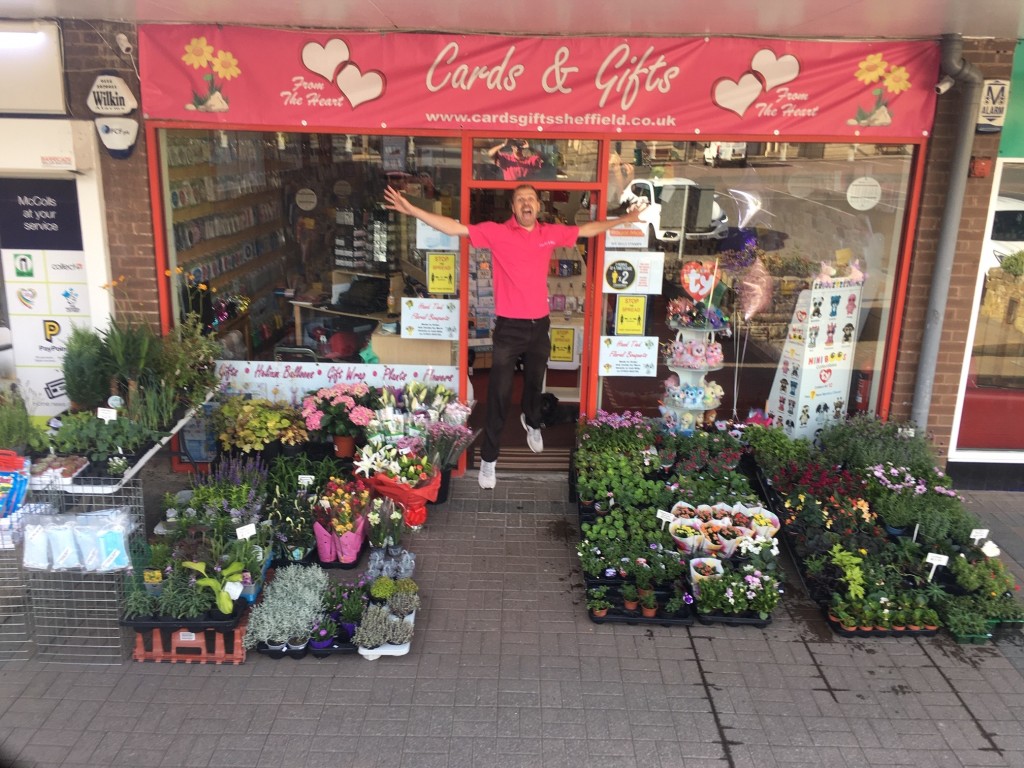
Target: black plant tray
point(144, 623)
point(839, 630)
point(317, 653)
point(622, 616)
point(730, 620)
point(338, 564)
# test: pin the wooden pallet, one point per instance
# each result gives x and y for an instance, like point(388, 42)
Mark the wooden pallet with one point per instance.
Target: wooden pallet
point(185, 646)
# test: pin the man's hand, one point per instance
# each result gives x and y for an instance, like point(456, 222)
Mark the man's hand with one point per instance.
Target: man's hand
point(396, 202)
point(633, 212)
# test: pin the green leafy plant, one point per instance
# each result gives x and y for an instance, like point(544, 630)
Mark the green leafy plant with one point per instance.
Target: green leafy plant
point(597, 599)
point(137, 601)
point(218, 582)
point(1013, 263)
point(250, 424)
point(401, 604)
point(382, 588)
point(85, 433)
point(850, 564)
point(17, 432)
point(87, 369)
point(774, 449)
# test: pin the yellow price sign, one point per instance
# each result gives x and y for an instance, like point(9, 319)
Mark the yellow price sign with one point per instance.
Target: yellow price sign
point(630, 313)
point(441, 273)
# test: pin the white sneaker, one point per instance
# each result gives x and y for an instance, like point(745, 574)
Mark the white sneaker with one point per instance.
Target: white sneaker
point(534, 438)
point(487, 478)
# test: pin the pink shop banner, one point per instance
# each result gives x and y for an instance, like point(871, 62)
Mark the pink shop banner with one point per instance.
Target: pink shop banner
point(405, 82)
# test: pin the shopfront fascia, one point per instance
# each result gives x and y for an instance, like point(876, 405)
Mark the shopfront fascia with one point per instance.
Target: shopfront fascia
point(794, 166)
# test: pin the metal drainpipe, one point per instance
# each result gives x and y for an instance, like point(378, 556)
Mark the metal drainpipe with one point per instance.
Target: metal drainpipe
point(969, 76)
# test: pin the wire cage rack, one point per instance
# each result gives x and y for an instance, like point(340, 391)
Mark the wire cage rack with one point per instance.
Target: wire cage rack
point(15, 624)
point(75, 613)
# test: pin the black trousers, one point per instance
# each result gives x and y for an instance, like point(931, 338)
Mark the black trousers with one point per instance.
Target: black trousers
point(513, 338)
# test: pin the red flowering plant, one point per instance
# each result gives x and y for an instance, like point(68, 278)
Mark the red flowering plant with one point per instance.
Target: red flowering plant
point(341, 409)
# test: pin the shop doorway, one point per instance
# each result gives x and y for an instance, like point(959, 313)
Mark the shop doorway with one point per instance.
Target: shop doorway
point(567, 292)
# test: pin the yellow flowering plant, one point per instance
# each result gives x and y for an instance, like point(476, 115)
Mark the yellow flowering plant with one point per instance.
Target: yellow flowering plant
point(342, 504)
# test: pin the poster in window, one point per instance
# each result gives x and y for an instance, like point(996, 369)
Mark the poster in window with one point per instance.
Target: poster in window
point(441, 273)
point(563, 343)
point(630, 315)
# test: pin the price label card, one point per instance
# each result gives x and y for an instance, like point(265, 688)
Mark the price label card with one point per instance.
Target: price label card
point(246, 531)
point(934, 558)
point(234, 589)
point(668, 517)
point(305, 480)
point(979, 533)
point(107, 414)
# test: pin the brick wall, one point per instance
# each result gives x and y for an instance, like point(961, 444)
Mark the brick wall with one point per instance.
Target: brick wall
point(90, 50)
point(994, 58)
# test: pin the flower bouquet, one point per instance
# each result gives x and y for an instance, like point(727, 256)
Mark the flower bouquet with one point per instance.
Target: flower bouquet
point(447, 442)
point(402, 474)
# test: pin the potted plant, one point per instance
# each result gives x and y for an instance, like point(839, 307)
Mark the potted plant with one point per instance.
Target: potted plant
point(630, 597)
point(649, 604)
point(17, 432)
point(402, 604)
point(339, 411)
point(292, 603)
point(251, 424)
point(597, 601)
point(87, 369)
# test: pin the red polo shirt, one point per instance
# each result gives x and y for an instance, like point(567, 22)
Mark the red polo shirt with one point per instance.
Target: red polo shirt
point(520, 258)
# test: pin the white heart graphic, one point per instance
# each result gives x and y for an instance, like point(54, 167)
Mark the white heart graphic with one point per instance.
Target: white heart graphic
point(27, 296)
point(359, 88)
point(737, 96)
point(775, 71)
point(324, 60)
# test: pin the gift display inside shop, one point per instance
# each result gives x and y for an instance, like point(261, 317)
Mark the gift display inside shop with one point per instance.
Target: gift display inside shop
point(292, 542)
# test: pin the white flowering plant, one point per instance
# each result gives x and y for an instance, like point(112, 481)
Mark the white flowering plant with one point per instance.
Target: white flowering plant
point(385, 518)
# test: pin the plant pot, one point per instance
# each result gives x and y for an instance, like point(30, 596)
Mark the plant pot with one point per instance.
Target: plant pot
point(630, 605)
point(277, 649)
point(444, 488)
point(325, 543)
point(649, 613)
point(344, 446)
point(599, 614)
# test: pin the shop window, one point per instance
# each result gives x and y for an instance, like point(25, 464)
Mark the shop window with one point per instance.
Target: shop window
point(995, 378)
point(290, 232)
point(531, 158)
point(784, 253)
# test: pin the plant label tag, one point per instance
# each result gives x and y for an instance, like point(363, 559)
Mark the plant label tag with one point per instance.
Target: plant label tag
point(234, 589)
point(107, 414)
point(186, 637)
point(665, 517)
point(305, 480)
point(936, 560)
point(246, 531)
point(977, 534)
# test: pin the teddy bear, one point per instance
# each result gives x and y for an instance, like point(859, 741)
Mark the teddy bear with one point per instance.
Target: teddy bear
point(698, 354)
point(713, 394)
point(668, 417)
point(714, 355)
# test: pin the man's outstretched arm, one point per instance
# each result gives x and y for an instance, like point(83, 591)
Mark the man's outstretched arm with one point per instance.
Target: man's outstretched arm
point(396, 201)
